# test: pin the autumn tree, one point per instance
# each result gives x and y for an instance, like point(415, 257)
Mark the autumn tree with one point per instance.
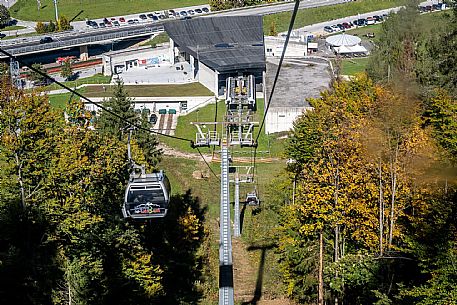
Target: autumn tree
point(360, 156)
point(4, 69)
point(273, 31)
point(66, 70)
point(394, 57)
point(37, 77)
point(63, 24)
point(4, 15)
point(40, 27)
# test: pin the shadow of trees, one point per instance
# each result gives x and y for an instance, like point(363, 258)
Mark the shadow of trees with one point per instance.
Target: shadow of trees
point(174, 242)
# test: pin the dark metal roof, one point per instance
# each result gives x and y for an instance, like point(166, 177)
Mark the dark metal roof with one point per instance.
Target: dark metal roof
point(222, 43)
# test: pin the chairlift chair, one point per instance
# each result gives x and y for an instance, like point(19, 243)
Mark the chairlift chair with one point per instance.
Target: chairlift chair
point(147, 196)
point(252, 199)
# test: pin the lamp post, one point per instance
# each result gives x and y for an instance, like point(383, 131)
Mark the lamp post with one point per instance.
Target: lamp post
point(57, 13)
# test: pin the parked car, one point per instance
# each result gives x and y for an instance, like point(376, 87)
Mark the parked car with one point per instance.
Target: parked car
point(2, 35)
point(143, 17)
point(46, 39)
point(161, 17)
point(121, 19)
point(136, 21)
point(198, 11)
point(191, 12)
point(183, 13)
point(205, 10)
point(102, 25)
point(346, 25)
point(150, 16)
point(116, 23)
point(370, 20)
point(328, 29)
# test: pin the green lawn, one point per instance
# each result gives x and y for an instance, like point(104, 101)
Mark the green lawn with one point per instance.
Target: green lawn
point(81, 9)
point(95, 79)
point(320, 14)
point(60, 100)
point(20, 35)
point(12, 28)
point(268, 146)
point(161, 38)
point(190, 89)
point(352, 66)
point(431, 18)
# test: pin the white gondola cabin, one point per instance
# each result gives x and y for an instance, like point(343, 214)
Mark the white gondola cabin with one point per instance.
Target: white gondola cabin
point(147, 196)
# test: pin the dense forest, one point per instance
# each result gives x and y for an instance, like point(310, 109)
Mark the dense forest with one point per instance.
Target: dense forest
point(62, 237)
point(373, 218)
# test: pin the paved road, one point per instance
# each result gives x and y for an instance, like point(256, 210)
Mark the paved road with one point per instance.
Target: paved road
point(318, 28)
point(80, 26)
point(8, 3)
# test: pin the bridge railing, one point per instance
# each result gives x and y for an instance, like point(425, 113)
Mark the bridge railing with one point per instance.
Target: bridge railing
point(84, 40)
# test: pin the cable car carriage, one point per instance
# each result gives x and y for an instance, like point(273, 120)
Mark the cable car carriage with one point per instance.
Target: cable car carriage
point(252, 199)
point(147, 196)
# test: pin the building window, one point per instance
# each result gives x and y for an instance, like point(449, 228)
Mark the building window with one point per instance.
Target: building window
point(269, 50)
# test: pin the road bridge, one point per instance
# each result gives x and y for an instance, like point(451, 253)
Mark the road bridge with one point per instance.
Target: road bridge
point(82, 40)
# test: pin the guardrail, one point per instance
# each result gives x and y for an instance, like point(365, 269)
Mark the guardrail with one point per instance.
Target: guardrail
point(84, 40)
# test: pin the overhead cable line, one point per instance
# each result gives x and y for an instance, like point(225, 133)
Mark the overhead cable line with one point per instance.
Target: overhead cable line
point(291, 25)
point(74, 92)
point(198, 149)
point(90, 101)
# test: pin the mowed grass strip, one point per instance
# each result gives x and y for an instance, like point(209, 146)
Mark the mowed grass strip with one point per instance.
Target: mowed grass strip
point(60, 100)
point(190, 89)
point(353, 66)
point(326, 13)
point(94, 79)
point(82, 9)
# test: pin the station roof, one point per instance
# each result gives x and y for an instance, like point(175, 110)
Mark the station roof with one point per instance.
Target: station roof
point(222, 43)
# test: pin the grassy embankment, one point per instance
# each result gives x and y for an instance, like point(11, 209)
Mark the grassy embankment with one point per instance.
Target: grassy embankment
point(269, 145)
point(321, 14)
point(351, 66)
point(12, 28)
point(161, 38)
point(82, 9)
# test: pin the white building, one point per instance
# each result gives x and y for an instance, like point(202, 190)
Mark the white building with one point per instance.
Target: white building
point(219, 47)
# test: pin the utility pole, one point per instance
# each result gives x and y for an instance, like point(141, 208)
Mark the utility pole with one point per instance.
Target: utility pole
point(57, 13)
point(237, 130)
point(236, 224)
point(15, 74)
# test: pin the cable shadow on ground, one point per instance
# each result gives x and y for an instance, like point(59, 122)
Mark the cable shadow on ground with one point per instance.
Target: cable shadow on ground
point(258, 286)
